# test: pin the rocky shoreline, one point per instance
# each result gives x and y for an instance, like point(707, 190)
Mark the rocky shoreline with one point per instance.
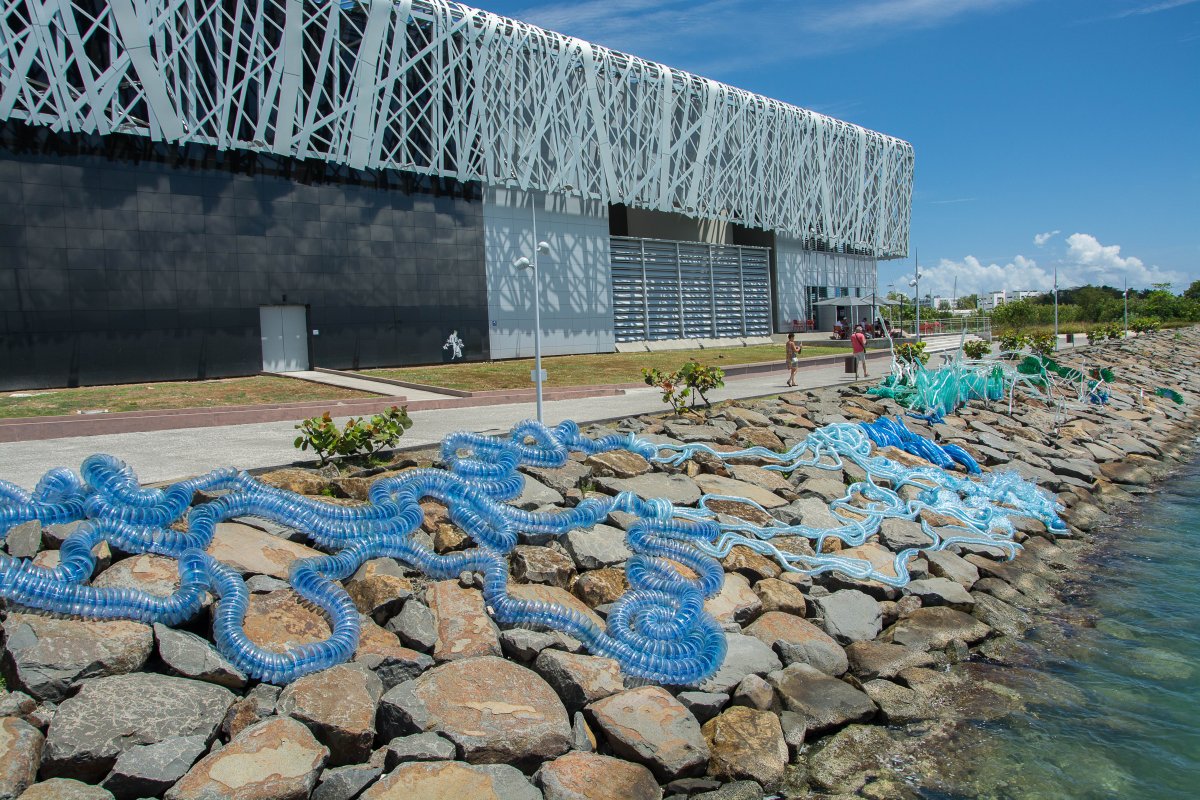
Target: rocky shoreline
point(832, 686)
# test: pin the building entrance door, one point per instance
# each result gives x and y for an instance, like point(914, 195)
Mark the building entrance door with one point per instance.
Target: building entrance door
point(284, 338)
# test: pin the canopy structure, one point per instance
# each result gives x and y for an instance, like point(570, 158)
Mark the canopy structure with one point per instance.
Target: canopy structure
point(870, 301)
point(858, 309)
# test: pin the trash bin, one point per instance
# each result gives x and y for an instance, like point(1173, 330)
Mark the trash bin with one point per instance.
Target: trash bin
point(849, 365)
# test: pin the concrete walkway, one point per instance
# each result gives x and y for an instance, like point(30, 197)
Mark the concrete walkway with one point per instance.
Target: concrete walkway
point(177, 454)
point(361, 384)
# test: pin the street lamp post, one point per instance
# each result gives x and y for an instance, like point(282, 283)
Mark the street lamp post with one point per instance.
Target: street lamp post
point(542, 248)
point(1056, 306)
point(1125, 294)
point(916, 284)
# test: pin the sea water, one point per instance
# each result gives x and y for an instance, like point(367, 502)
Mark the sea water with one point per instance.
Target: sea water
point(1114, 693)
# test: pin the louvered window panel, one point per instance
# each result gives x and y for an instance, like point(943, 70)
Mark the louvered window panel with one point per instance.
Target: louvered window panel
point(689, 290)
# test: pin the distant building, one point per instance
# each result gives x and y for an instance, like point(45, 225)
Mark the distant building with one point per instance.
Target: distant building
point(934, 301)
point(989, 301)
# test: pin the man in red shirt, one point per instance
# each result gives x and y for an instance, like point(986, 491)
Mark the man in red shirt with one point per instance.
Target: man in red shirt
point(858, 343)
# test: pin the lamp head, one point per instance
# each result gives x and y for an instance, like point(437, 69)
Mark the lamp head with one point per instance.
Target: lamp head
point(543, 248)
point(522, 263)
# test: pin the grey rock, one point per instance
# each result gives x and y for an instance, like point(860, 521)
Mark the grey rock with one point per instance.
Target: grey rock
point(415, 626)
point(535, 495)
point(110, 715)
point(944, 564)
point(649, 726)
point(794, 726)
point(840, 764)
point(16, 704)
point(813, 511)
point(582, 738)
point(738, 790)
point(999, 615)
point(54, 535)
point(601, 546)
point(934, 628)
point(579, 679)
point(901, 534)
point(754, 692)
point(24, 540)
point(508, 782)
point(703, 705)
point(149, 770)
point(258, 704)
point(1002, 591)
point(870, 660)
point(20, 753)
point(46, 657)
point(745, 655)
point(825, 702)
point(339, 706)
point(713, 432)
point(561, 479)
point(65, 789)
point(492, 709)
point(264, 584)
point(193, 657)
point(898, 705)
point(418, 747)
point(524, 645)
point(941, 592)
point(346, 783)
point(535, 564)
point(1085, 471)
point(691, 786)
point(680, 490)
point(850, 615)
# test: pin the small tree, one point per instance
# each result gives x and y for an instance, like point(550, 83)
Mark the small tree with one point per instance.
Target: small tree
point(683, 387)
point(912, 352)
point(976, 349)
point(358, 437)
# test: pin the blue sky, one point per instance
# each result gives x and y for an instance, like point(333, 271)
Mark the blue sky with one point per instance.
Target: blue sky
point(1048, 133)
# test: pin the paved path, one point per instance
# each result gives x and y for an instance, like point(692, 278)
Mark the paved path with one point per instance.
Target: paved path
point(176, 454)
point(361, 384)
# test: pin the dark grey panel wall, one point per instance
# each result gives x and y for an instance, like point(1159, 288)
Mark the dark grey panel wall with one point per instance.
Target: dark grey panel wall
point(127, 261)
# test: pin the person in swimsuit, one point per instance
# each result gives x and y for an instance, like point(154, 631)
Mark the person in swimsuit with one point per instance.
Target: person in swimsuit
point(792, 353)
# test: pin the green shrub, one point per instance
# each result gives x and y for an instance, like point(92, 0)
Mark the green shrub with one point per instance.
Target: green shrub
point(1099, 333)
point(1013, 342)
point(682, 388)
point(976, 349)
point(1042, 344)
point(358, 437)
point(912, 352)
point(1146, 324)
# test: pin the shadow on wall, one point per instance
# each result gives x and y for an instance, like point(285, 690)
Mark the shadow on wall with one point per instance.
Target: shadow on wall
point(576, 294)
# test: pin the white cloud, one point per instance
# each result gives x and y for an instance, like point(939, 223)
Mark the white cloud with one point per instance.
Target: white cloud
point(975, 277)
point(1085, 261)
point(1042, 238)
point(727, 35)
point(1153, 8)
point(1091, 262)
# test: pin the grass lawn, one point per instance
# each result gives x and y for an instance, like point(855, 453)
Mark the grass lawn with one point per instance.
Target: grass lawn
point(585, 370)
point(178, 394)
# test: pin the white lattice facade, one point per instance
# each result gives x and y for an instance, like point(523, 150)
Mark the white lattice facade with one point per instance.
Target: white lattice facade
point(437, 88)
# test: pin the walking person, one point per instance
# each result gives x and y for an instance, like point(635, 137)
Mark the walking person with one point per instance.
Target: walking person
point(858, 343)
point(792, 352)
